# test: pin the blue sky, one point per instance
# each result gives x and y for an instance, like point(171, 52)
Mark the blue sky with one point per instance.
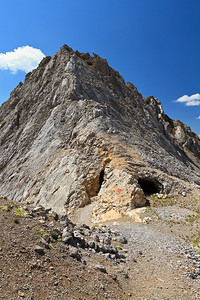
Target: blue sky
point(155, 44)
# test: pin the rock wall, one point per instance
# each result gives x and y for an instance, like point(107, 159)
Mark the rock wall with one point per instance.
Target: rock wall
point(75, 132)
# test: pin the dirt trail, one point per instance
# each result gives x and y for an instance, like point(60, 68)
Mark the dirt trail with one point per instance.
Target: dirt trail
point(83, 215)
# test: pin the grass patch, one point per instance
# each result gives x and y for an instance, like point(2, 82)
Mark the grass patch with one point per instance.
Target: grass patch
point(6, 208)
point(165, 201)
point(20, 212)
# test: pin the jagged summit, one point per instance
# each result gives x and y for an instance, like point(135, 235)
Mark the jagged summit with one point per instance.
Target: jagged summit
point(75, 132)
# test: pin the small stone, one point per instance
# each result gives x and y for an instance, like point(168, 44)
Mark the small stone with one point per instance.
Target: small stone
point(122, 240)
point(38, 208)
point(78, 235)
point(44, 243)
point(73, 252)
point(91, 244)
point(160, 196)
point(67, 235)
point(47, 238)
point(20, 294)
point(193, 276)
point(101, 268)
point(39, 250)
point(54, 215)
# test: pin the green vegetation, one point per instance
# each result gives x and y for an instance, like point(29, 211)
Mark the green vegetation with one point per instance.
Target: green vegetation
point(194, 217)
point(119, 248)
point(55, 235)
point(50, 246)
point(149, 208)
point(165, 201)
point(40, 232)
point(95, 225)
point(196, 246)
point(6, 208)
point(20, 212)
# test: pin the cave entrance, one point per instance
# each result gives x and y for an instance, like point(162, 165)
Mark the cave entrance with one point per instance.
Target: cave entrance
point(101, 179)
point(149, 186)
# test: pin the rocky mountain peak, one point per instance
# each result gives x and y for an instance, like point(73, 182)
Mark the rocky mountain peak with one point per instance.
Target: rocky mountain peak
point(74, 133)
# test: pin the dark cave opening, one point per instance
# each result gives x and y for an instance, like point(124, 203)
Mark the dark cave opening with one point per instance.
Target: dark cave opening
point(101, 179)
point(149, 186)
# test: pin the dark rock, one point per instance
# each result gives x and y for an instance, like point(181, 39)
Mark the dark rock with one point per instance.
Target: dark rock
point(122, 240)
point(55, 233)
point(85, 226)
point(39, 250)
point(54, 215)
point(73, 252)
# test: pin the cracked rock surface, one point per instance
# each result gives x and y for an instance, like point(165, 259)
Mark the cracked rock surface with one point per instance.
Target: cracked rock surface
point(74, 131)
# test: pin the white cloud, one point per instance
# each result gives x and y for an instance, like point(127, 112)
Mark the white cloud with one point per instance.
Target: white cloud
point(23, 58)
point(198, 118)
point(192, 100)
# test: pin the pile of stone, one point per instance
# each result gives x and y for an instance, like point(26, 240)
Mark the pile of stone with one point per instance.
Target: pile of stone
point(73, 238)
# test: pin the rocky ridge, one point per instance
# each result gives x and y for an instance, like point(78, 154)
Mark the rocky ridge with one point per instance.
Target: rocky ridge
point(74, 133)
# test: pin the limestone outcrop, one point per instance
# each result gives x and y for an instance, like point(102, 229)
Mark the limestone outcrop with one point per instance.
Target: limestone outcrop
point(74, 132)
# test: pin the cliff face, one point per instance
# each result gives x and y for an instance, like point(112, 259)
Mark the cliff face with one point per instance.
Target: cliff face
point(75, 132)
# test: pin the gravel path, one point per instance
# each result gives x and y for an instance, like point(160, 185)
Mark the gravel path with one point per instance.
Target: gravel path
point(159, 263)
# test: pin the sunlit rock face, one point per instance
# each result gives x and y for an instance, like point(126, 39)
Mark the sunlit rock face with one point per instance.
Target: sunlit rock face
point(74, 132)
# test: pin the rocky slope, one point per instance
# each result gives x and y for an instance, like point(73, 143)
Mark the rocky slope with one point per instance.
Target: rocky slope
point(74, 132)
point(44, 255)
